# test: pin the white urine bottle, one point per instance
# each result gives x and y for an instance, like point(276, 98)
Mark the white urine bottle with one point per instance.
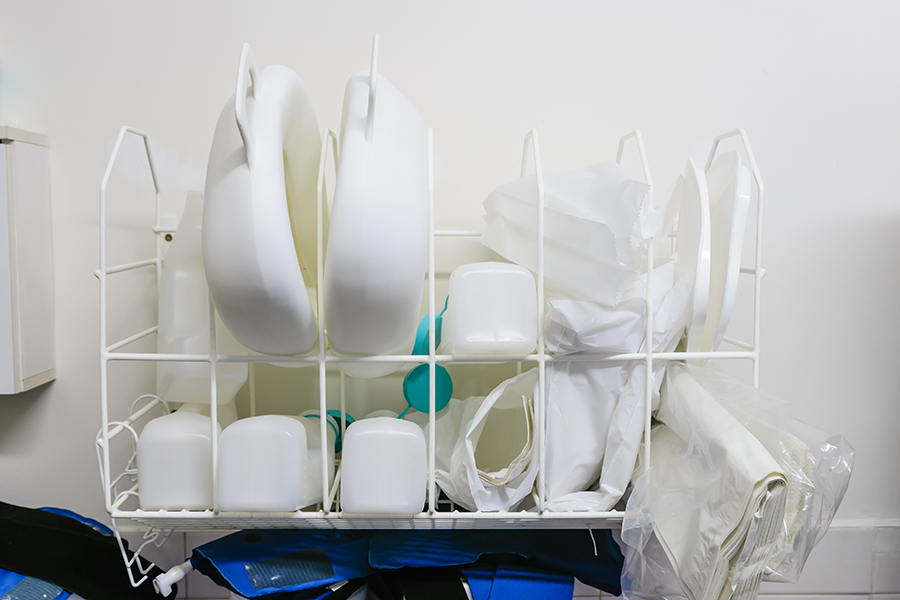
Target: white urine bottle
point(184, 320)
point(383, 467)
point(262, 461)
point(272, 463)
point(174, 461)
point(492, 310)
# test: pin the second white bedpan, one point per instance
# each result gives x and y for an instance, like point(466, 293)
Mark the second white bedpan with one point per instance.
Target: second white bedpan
point(378, 241)
point(259, 217)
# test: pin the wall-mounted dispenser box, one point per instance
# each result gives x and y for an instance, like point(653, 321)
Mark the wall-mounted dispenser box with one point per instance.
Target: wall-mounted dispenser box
point(27, 323)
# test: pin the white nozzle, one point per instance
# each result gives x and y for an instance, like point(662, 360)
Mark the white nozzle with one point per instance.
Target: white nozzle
point(163, 583)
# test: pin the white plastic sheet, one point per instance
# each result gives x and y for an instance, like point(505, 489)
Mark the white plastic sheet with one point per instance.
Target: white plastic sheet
point(597, 226)
point(484, 446)
point(595, 418)
point(595, 222)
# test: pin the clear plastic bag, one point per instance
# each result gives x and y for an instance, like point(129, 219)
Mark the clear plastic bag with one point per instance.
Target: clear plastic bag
point(738, 491)
point(818, 465)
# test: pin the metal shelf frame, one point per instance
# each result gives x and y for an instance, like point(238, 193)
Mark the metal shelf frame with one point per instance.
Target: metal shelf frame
point(328, 514)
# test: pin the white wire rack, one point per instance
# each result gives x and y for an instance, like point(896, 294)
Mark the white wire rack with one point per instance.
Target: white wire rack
point(438, 515)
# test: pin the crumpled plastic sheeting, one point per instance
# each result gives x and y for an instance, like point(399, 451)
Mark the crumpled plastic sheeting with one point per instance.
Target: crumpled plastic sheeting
point(595, 418)
point(595, 225)
point(458, 428)
point(684, 530)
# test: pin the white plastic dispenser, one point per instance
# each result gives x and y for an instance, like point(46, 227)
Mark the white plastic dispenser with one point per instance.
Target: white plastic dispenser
point(492, 310)
point(263, 462)
point(311, 486)
point(174, 461)
point(383, 468)
point(184, 320)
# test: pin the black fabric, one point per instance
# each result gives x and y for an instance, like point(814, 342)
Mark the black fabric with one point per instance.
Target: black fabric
point(384, 586)
point(68, 553)
point(432, 584)
point(346, 590)
point(429, 583)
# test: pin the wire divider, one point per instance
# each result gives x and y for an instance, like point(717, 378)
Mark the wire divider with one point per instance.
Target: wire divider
point(328, 514)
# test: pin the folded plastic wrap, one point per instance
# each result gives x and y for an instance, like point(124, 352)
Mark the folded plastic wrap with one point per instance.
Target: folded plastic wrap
point(595, 224)
point(724, 541)
point(818, 465)
point(737, 491)
point(484, 446)
point(596, 411)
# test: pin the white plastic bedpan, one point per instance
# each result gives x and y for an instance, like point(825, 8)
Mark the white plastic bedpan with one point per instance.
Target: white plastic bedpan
point(378, 241)
point(259, 216)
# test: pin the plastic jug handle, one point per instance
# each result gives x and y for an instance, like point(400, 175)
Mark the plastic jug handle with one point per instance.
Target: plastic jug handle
point(373, 77)
point(247, 65)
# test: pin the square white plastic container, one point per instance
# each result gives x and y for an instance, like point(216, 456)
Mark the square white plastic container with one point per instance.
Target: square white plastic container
point(492, 310)
point(174, 460)
point(383, 467)
point(262, 464)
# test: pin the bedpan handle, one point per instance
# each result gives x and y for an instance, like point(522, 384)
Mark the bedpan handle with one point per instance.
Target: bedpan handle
point(247, 65)
point(373, 78)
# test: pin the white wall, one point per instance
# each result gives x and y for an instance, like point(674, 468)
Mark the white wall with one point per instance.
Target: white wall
point(816, 85)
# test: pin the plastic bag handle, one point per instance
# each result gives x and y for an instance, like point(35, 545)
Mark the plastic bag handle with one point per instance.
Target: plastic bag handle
point(247, 65)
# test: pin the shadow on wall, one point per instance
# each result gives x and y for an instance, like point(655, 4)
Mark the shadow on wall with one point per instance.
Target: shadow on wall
point(835, 292)
point(836, 288)
point(19, 419)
